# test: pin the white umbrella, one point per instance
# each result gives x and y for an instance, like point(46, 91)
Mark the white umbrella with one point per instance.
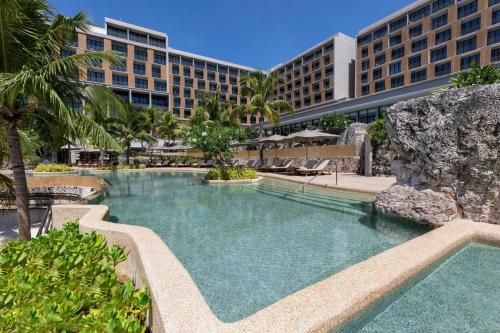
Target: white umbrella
point(310, 136)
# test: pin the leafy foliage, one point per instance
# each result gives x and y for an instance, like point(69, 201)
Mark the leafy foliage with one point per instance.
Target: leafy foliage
point(52, 167)
point(378, 133)
point(211, 110)
point(66, 282)
point(214, 140)
point(7, 192)
point(122, 167)
point(230, 173)
point(477, 75)
point(334, 121)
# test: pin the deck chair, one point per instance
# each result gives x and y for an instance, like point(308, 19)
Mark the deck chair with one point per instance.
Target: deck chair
point(285, 167)
point(317, 169)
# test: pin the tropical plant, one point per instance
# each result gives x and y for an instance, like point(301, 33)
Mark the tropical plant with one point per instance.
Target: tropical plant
point(52, 167)
point(7, 192)
point(477, 75)
point(334, 122)
point(66, 282)
point(214, 140)
point(230, 173)
point(169, 126)
point(211, 110)
point(33, 76)
point(378, 133)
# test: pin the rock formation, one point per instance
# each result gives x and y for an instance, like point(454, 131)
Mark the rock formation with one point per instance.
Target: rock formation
point(448, 146)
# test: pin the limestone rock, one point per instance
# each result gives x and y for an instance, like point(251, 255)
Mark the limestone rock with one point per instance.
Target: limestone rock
point(448, 143)
point(426, 206)
point(349, 136)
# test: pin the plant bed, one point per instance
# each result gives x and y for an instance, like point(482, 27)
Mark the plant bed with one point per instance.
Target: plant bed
point(122, 167)
point(231, 175)
point(66, 282)
point(52, 167)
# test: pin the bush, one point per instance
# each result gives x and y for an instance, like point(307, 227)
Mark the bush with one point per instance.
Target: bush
point(231, 173)
point(66, 282)
point(477, 75)
point(378, 133)
point(335, 122)
point(122, 167)
point(52, 167)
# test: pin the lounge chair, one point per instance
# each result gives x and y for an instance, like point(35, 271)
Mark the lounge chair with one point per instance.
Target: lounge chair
point(252, 163)
point(317, 169)
point(277, 162)
point(242, 163)
point(286, 166)
point(210, 164)
point(267, 163)
point(187, 163)
point(165, 163)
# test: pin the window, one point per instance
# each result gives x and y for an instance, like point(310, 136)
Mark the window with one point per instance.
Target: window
point(328, 95)
point(466, 45)
point(380, 32)
point(176, 112)
point(441, 4)
point(365, 65)
point(121, 66)
point(326, 84)
point(161, 101)
point(415, 31)
point(212, 86)
point(379, 86)
point(442, 69)
point(175, 69)
point(174, 59)
point(177, 80)
point(395, 68)
point(117, 32)
point(139, 68)
point(364, 78)
point(120, 49)
point(364, 39)
point(419, 45)
point(439, 21)
point(398, 53)
point(398, 24)
point(223, 88)
point(415, 62)
point(439, 54)
point(377, 73)
point(493, 2)
point(141, 83)
point(211, 67)
point(395, 40)
point(315, 66)
point(156, 71)
point(233, 71)
point(202, 84)
point(198, 74)
point(493, 37)
point(187, 71)
point(467, 9)
point(188, 82)
point(137, 37)
point(495, 55)
point(365, 90)
point(222, 69)
point(234, 90)
point(175, 91)
point(211, 76)
point(122, 94)
point(326, 60)
point(140, 99)
point(95, 76)
point(95, 45)
point(307, 101)
point(157, 42)
point(160, 58)
point(189, 105)
point(120, 80)
point(305, 91)
point(471, 26)
point(317, 98)
point(160, 86)
point(329, 71)
point(398, 81)
point(315, 87)
point(222, 78)
point(442, 36)
point(495, 17)
point(177, 101)
point(418, 76)
point(420, 13)
point(233, 80)
point(141, 54)
point(187, 62)
point(465, 62)
point(187, 92)
point(67, 53)
point(377, 47)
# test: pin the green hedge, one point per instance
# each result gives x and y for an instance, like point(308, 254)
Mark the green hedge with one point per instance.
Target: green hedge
point(122, 167)
point(52, 167)
point(231, 173)
point(66, 282)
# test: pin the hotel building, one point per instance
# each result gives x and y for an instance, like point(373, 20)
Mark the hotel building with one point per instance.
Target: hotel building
point(405, 55)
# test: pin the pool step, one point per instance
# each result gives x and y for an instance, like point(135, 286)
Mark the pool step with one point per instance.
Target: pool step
point(329, 203)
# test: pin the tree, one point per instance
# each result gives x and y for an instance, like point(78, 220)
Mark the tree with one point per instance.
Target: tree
point(477, 75)
point(169, 126)
point(33, 76)
point(212, 110)
point(334, 122)
point(378, 133)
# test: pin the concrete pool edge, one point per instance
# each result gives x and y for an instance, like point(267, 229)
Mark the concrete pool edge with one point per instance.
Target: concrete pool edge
point(179, 306)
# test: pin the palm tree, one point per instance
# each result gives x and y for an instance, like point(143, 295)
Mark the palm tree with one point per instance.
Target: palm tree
point(477, 75)
point(211, 110)
point(33, 76)
point(169, 126)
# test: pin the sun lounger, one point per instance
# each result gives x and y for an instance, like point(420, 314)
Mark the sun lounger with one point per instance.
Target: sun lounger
point(210, 164)
point(275, 163)
point(242, 163)
point(317, 169)
point(165, 163)
point(252, 163)
point(286, 166)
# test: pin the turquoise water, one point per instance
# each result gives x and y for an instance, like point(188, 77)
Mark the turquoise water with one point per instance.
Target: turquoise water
point(248, 246)
point(459, 295)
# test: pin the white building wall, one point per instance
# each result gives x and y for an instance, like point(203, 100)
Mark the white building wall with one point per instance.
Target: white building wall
point(344, 57)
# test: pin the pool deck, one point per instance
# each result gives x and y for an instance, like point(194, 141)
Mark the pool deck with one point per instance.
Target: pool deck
point(178, 305)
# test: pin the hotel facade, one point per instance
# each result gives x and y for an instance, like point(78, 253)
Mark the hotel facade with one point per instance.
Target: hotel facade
point(405, 55)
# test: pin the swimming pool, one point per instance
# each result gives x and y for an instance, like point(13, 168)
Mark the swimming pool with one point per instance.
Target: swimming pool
point(248, 246)
point(459, 294)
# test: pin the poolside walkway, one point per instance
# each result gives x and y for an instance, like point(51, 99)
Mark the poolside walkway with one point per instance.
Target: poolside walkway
point(346, 182)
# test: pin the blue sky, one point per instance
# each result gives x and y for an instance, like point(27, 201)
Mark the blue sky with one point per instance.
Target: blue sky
point(256, 33)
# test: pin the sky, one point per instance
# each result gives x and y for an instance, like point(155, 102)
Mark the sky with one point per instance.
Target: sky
point(254, 33)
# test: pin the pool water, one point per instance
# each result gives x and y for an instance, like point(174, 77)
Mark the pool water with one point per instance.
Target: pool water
point(248, 246)
point(461, 294)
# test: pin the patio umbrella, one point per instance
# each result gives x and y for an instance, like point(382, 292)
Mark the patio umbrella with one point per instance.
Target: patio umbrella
point(273, 139)
point(247, 142)
point(310, 136)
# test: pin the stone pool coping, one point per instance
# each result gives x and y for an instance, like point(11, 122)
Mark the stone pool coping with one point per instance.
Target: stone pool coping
point(178, 305)
point(232, 182)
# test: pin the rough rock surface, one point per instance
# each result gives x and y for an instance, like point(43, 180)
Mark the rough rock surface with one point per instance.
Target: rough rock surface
point(382, 159)
point(447, 143)
point(349, 136)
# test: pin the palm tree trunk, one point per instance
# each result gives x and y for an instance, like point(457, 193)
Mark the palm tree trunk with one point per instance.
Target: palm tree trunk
point(127, 153)
point(20, 185)
point(101, 156)
point(261, 146)
point(68, 159)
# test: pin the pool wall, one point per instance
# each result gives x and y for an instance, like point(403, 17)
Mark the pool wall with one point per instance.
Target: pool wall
point(178, 305)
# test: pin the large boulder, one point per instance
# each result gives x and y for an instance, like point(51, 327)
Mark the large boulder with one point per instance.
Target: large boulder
point(448, 143)
point(354, 133)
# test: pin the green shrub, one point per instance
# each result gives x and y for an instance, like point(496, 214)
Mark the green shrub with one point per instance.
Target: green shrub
point(231, 173)
point(122, 167)
point(52, 167)
point(66, 282)
point(378, 133)
point(334, 121)
point(477, 75)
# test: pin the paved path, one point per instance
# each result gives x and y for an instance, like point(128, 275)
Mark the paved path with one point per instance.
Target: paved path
point(346, 182)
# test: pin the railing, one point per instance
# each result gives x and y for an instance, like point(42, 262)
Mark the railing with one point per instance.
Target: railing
point(302, 187)
point(301, 152)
